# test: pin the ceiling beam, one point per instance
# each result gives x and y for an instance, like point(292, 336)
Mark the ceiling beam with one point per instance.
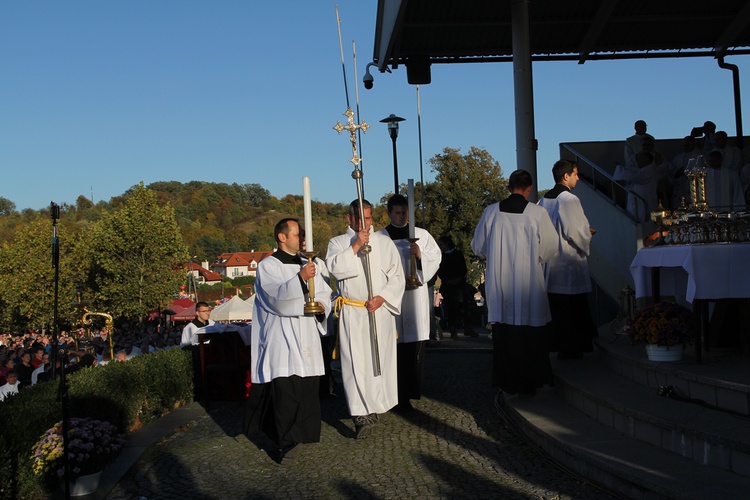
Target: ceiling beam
point(596, 27)
point(735, 28)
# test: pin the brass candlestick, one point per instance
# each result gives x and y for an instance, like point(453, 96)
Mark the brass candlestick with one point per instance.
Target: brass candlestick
point(311, 307)
point(412, 282)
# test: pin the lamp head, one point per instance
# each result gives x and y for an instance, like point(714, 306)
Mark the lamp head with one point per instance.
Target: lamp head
point(392, 122)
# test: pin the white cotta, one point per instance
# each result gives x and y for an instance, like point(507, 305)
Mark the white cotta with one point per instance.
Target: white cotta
point(285, 342)
point(516, 247)
point(413, 324)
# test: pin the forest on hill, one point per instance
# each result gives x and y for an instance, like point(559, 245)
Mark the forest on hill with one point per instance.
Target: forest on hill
point(127, 255)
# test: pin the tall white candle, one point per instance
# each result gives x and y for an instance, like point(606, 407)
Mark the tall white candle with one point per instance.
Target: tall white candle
point(308, 214)
point(410, 196)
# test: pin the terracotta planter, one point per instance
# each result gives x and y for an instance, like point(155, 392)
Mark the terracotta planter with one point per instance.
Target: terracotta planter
point(664, 353)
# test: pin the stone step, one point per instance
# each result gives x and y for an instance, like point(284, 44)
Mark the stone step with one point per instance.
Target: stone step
point(706, 436)
point(722, 380)
point(601, 454)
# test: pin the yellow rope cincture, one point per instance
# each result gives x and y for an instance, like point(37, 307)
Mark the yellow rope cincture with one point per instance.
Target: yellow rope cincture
point(337, 306)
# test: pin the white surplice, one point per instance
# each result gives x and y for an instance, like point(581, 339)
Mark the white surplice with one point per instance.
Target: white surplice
point(285, 342)
point(413, 324)
point(366, 393)
point(516, 247)
point(567, 272)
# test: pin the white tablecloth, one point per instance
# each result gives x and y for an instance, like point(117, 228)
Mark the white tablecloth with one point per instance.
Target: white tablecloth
point(715, 271)
point(244, 331)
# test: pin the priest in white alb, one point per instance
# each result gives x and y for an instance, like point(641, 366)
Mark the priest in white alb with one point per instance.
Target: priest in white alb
point(367, 394)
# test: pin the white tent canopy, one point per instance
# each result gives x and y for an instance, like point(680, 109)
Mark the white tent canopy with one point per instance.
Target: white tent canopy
point(235, 309)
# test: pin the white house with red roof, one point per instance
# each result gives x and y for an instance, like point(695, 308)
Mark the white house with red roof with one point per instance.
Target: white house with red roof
point(202, 275)
point(236, 264)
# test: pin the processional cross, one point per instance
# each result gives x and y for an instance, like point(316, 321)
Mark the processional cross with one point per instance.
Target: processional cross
point(352, 128)
point(357, 175)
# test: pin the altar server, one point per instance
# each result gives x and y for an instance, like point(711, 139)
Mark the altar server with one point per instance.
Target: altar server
point(517, 238)
point(567, 272)
point(413, 324)
point(285, 346)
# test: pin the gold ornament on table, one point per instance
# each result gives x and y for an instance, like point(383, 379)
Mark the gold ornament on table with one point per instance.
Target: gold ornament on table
point(661, 218)
point(696, 174)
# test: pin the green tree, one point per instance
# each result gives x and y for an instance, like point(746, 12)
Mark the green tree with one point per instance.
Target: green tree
point(138, 254)
point(464, 185)
point(7, 207)
point(27, 275)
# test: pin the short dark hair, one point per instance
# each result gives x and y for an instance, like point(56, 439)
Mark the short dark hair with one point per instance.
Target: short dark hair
point(397, 200)
point(520, 179)
point(354, 206)
point(283, 227)
point(200, 304)
point(447, 241)
point(562, 167)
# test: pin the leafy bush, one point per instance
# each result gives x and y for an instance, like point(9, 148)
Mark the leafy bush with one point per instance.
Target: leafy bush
point(128, 395)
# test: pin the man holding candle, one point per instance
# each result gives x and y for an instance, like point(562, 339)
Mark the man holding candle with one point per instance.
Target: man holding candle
point(413, 324)
point(285, 346)
point(367, 394)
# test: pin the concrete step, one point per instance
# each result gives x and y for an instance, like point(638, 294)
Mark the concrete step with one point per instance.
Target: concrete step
point(706, 436)
point(722, 380)
point(620, 463)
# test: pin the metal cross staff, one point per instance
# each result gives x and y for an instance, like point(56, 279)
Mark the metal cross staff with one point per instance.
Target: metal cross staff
point(357, 175)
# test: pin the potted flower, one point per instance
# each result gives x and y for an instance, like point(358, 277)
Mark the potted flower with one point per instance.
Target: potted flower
point(662, 327)
point(92, 444)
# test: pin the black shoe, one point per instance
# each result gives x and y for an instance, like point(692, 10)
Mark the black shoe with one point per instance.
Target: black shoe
point(405, 407)
point(471, 333)
point(363, 425)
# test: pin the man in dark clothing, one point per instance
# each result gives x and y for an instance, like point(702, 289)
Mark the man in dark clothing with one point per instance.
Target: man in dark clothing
point(452, 274)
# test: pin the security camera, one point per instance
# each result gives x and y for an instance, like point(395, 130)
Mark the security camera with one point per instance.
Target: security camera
point(368, 80)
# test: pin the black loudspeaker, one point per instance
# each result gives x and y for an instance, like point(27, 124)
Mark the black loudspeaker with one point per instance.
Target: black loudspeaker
point(418, 72)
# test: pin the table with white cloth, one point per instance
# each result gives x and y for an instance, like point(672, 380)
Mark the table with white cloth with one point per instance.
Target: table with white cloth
point(224, 351)
point(698, 273)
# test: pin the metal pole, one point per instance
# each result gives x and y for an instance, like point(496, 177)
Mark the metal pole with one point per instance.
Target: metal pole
point(395, 166)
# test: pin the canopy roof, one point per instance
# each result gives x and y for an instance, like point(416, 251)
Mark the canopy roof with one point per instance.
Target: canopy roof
point(235, 309)
point(423, 32)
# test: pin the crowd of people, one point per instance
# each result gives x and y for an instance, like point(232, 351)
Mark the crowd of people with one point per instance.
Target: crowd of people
point(26, 357)
point(652, 179)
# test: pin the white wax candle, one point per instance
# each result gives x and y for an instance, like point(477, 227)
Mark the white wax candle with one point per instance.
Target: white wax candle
point(410, 197)
point(308, 214)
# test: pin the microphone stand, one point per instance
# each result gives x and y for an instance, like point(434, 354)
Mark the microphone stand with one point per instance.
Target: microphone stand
point(59, 352)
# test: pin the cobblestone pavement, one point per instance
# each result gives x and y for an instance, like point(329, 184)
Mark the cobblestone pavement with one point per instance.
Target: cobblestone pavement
point(455, 445)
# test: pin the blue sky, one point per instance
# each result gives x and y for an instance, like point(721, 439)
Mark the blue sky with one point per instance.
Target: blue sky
point(98, 96)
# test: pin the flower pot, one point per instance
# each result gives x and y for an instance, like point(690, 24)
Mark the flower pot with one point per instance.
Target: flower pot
point(84, 485)
point(664, 353)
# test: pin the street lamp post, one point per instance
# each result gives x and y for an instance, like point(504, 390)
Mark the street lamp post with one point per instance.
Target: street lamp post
point(392, 122)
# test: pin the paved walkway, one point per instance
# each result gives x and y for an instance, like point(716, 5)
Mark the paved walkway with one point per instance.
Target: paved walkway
point(455, 445)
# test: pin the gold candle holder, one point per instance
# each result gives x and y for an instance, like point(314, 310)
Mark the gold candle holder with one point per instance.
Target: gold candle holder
point(311, 307)
point(412, 282)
